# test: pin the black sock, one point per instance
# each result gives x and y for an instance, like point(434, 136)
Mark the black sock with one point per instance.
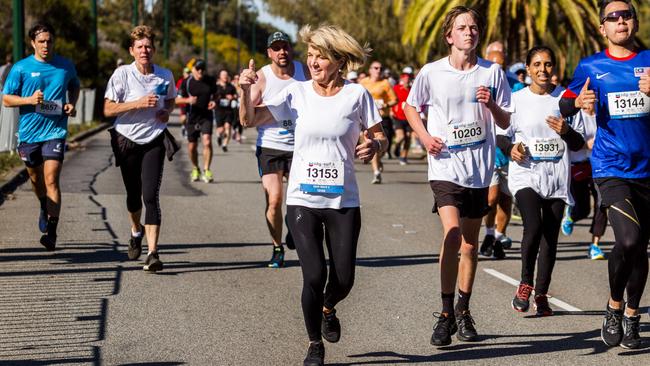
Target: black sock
point(448, 303)
point(43, 202)
point(463, 301)
point(52, 223)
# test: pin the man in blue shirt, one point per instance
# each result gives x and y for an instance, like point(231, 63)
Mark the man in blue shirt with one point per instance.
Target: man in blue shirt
point(617, 83)
point(39, 85)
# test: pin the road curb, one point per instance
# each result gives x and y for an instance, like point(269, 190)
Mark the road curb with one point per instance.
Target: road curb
point(19, 175)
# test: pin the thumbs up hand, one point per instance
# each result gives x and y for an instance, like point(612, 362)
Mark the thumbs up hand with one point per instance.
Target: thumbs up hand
point(587, 98)
point(644, 82)
point(368, 148)
point(248, 76)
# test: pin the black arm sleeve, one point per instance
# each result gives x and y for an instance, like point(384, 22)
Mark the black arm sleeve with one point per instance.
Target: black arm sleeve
point(505, 144)
point(568, 107)
point(573, 139)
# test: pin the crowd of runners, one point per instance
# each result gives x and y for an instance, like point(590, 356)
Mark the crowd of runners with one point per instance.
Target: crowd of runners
point(491, 135)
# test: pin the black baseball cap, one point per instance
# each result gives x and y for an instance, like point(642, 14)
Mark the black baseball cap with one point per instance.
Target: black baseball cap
point(276, 37)
point(200, 64)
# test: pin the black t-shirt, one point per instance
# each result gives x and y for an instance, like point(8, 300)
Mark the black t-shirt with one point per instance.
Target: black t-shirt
point(222, 102)
point(203, 90)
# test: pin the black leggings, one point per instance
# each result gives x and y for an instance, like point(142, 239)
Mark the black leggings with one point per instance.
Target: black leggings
point(142, 169)
point(628, 261)
point(542, 219)
point(581, 190)
point(340, 229)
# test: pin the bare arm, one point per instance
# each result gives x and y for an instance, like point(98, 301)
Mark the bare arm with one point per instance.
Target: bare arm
point(9, 100)
point(252, 83)
point(432, 144)
point(374, 142)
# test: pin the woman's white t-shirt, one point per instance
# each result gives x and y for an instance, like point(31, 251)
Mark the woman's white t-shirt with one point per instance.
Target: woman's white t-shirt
point(466, 127)
point(546, 169)
point(326, 134)
point(127, 84)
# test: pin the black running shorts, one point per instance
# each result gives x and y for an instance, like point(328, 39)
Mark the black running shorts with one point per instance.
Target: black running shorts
point(272, 160)
point(471, 202)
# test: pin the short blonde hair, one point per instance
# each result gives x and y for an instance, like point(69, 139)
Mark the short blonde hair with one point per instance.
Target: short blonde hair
point(142, 32)
point(336, 45)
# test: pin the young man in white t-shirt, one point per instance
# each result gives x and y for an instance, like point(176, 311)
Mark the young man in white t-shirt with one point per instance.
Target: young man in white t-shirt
point(465, 96)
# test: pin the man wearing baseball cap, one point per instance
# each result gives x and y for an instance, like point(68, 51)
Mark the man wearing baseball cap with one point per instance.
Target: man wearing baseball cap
point(275, 141)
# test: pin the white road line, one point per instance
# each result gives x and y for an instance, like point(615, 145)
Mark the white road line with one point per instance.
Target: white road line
point(512, 281)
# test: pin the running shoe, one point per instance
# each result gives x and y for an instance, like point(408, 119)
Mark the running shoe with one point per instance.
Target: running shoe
point(520, 301)
point(497, 251)
point(195, 175)
point(403, 161)
point(42, 221)
point(330, 327)
point(207, 176)
point(567, 225)
point(631, 338)
point(612, 330)
point(49, 241)
point(487, 246)
point(315, 354)
point(153, 263)
point(443, 330)
point(135, 245)
point(506, 242)
point(277, 260)
point(595, 253)
point(224, 148)
point(542, 308)
point(376, 179)
point(466, 330)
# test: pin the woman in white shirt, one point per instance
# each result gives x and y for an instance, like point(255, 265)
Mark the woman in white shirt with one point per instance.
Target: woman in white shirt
point(322, 196)
point(465, 97)
point(141, 96)
point(539, 174)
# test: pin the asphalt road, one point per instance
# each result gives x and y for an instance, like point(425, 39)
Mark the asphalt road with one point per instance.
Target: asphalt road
point(216, 303)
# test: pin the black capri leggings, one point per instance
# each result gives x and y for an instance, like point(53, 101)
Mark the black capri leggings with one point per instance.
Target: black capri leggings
point(581, 190)
point(542, 219)
point(629, 212)
point(340, 229)
point(142, 170)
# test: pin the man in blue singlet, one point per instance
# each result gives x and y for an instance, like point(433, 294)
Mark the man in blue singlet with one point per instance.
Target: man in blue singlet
point(617, 82)
point(45, 87)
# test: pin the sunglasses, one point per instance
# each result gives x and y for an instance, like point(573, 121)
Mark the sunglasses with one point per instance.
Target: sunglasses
point(616, 15)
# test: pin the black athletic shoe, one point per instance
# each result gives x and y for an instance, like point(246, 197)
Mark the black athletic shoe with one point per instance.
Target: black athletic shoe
point(153, 263)
point(542, 308)
point(631, 338)
point(521, 300)
point(49, 241)
point(466, 330)
point(277, 260)
point(224, 148)
point(315, 354)
point(497, 250)
point(135, 245)
point(612, 329)
point(443, 330)
point(331, 327)
point(487, 246)
point(42, 221)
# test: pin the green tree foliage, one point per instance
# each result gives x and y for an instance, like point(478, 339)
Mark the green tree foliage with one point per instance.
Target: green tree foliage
point(571, 27)
point(370, 21)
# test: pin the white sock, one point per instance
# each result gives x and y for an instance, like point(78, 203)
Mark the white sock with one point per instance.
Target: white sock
point(489, 231)
point(498, 235)
point(136, 234)
point(377, 172)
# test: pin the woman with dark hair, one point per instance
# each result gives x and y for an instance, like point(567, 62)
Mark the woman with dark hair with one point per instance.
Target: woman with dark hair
point(465, 96)
point(539, 174)
point(141, 95)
